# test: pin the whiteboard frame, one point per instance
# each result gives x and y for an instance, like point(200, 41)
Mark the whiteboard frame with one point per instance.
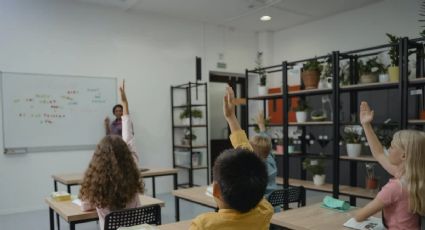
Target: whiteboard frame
point(21, 150)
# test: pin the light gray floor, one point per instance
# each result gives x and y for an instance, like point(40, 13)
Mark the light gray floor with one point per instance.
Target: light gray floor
point(39, 220)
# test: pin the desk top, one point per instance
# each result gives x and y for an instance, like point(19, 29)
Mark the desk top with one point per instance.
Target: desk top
point(197, 195)
point(312, 217)
point(77, 178)
point(72, 212)
point(182, 225)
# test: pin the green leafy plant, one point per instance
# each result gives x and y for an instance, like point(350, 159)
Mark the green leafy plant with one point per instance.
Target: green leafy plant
point(370, 170)
point(327, 69)
point(189, 135)
point(371, 66)
point(196, 113)
point(393, 52)
point(313, 65)
point(314, 166)
point(259, 68)
point(302, 106)
point(385, 132)
point(266, 123)
point(352, 136)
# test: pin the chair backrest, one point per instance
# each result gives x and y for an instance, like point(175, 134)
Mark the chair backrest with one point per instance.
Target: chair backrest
point(287, 195)
point(133, 216)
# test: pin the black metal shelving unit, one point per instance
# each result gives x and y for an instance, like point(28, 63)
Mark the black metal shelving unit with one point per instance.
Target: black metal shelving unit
point(190, 147)
point(402, 88)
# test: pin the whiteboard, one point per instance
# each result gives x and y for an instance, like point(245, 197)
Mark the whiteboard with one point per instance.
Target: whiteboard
point(44, 112)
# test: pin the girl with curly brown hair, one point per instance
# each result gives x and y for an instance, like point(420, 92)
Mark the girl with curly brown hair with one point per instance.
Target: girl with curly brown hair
point(112, 180)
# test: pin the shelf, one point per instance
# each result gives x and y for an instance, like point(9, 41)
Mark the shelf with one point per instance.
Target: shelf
point(309, 155)
point(306, 184)
point(417, 81)
point(193, 146)
point(369, 86)
point(188, 167)
point(185, 106)
point(360, 158)
point(187, 126)
point(271, 96)
point(343, 189)
point(416, 122)
point(358, 192)
point(310, 123)
point(269, 125)
point(309, 92)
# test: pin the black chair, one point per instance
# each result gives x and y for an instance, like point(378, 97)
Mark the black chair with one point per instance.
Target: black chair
point(422, 222)
point(283, 197)
point(133, 216)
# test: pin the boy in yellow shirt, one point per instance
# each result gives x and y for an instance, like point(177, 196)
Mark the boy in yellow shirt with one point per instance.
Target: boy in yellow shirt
point(240, 180)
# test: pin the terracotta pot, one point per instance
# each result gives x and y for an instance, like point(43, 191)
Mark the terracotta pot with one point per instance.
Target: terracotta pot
point(371, 183)
point(310, 79)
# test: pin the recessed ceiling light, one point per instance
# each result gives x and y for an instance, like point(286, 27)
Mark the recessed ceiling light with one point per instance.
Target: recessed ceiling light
point(265, 18)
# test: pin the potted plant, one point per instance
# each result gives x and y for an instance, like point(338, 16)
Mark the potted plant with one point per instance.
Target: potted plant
point(188, 138)
point(310, 74)
point(262, 88)
point(291, 145)
point(301, 111)
point(352, 138)
point(385, 132)
point(326, 76)
point(196, 116)
point(394, 70)
point(369, 70)
point(316, 168)
point(371, 180)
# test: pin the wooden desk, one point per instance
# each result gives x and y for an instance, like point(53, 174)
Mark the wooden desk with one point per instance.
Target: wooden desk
point(312, 217)
point(72, 213)
point(196, 195)
point(71, 179)
point(182, 225)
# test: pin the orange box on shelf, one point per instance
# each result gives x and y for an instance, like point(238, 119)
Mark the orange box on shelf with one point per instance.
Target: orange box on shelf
point(275, 107)
point(422, 115)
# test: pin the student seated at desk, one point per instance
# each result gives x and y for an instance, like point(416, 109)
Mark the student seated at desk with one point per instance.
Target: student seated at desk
point(403, 197)
point(240, 180)
point(112, 180)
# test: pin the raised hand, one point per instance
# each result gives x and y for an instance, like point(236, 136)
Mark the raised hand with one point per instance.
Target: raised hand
point(122, 91)
point(366, 114)
point(228, 105)
point(260, 121)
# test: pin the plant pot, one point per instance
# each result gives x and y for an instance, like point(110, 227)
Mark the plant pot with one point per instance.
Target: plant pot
point(319, 179)
point(292, 117)
point(383, 78)
point(291, 149)
point(310, 79)
point(301, 116)
point(368, 78)
point(354, 149)
point(262, 90)
point(279, 149)
point(371, 183)
point(394, 73)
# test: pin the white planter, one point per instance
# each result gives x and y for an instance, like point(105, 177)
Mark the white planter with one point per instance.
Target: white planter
point(262, 90)
point(291, 149)
point(353, 150)
point(319, 179)
point(384, 78)
point(301, 116)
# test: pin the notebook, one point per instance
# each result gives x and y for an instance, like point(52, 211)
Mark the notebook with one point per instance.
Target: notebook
point(372, 223)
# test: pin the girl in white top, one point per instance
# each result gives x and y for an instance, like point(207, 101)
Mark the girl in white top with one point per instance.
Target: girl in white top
point(112, 180)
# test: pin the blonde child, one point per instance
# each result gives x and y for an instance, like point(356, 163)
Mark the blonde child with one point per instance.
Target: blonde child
point(112, 180)
point(403, 197)
point(240, 180)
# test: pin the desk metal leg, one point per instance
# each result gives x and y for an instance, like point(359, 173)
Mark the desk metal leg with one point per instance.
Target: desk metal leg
point(69, 189)
point(55, 185)
point(153, 187)
point(71, 226)
point(51, 219)
point(177, 201)
point(58, 221)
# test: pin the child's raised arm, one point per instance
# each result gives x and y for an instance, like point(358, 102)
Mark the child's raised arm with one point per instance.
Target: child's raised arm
point(366, 117)
point(127, 126)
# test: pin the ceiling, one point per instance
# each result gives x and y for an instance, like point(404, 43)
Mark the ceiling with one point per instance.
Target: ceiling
point(240, 14)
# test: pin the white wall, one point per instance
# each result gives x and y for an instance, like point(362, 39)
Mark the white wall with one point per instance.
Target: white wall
point(356, 29)
point(149, 51)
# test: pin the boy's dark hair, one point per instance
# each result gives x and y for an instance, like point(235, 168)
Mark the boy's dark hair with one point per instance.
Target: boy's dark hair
point(242, 177)
point(116, 106)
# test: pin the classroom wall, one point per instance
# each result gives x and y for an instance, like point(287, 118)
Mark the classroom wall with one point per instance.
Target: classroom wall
point(151, 52)
point(356, 29)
